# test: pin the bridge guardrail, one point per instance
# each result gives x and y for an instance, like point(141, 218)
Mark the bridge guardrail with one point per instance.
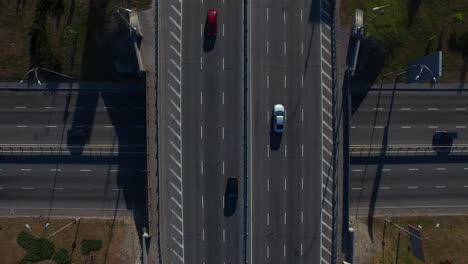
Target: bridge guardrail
point(408, 149)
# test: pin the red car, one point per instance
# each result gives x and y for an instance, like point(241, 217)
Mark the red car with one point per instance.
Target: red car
point(211, 22)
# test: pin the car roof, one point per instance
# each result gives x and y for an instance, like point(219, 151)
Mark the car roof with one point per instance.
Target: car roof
point(279, 120)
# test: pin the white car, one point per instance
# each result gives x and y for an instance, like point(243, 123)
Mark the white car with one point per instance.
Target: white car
point(279, 118)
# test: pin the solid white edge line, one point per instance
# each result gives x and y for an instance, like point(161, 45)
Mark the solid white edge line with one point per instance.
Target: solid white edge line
point(321, 127)
point(181, 143)
point(250, 232)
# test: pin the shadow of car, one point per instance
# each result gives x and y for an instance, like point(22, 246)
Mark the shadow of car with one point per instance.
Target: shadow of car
point(230, 197)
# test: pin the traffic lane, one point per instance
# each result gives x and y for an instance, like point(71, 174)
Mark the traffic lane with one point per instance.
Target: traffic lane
point(191, 115)
point(302, 137)
point(192, 167)
point(312, 51)
point(293, 226)
point(214, 178)
point(413, 100)
point(406, 134)
point(213, 182)
point(68, 99)
point(273, 228)
point(28, 117)
point(125, 162)
point(270, 236)
point(88, 177)
point(430, 117)
point(436, 175)
point(232, 127)
point(221, 91)
point(54, 110)
point(98, 135)
point(71, 198)
point(405, 197)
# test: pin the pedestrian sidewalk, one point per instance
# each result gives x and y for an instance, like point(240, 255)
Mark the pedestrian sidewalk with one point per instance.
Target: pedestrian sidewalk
point(148, 48)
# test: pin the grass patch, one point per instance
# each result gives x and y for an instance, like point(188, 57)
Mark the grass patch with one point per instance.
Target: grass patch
point(414, 28)
point(115, 241)
point(33, 35)
point(68, 36)
point(444, 243)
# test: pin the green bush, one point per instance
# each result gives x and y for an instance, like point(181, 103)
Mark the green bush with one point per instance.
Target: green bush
point(38, 248)
point(62, 257)
point(90, 245)
point(458, 18)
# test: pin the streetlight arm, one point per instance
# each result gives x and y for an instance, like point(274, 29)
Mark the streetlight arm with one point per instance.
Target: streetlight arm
point(37, 77)
point(58, 73)
point(420, 71)
point(370, 21)
point(24, 77)
point(380, 7)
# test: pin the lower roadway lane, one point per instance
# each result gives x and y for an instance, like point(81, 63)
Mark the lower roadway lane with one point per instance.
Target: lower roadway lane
point(409, 117)
point(35, 175)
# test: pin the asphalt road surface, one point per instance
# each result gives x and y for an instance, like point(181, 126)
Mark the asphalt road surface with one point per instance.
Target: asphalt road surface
point(212, 132)
point(408, 117)
point(285, 202)
point(414, 176)
point(40, 167)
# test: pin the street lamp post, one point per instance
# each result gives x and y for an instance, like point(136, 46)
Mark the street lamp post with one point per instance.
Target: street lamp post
point(30, 229)
point(358, 33)
point(128, 11)
point(45, 229)
point(360, 29)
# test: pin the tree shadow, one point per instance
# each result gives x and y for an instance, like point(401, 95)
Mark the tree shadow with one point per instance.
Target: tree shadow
point(39, 50)
point(462, 76)
point(20, 4)
point(74, 239)
point(378, 176)
point(413, 7)
point(133, 186)
point(56, 10)
point(314, 18)
point(372, 57)
point(71, 12)
point(459, 43)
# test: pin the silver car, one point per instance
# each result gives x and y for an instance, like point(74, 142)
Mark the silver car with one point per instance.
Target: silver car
point(279, 118)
